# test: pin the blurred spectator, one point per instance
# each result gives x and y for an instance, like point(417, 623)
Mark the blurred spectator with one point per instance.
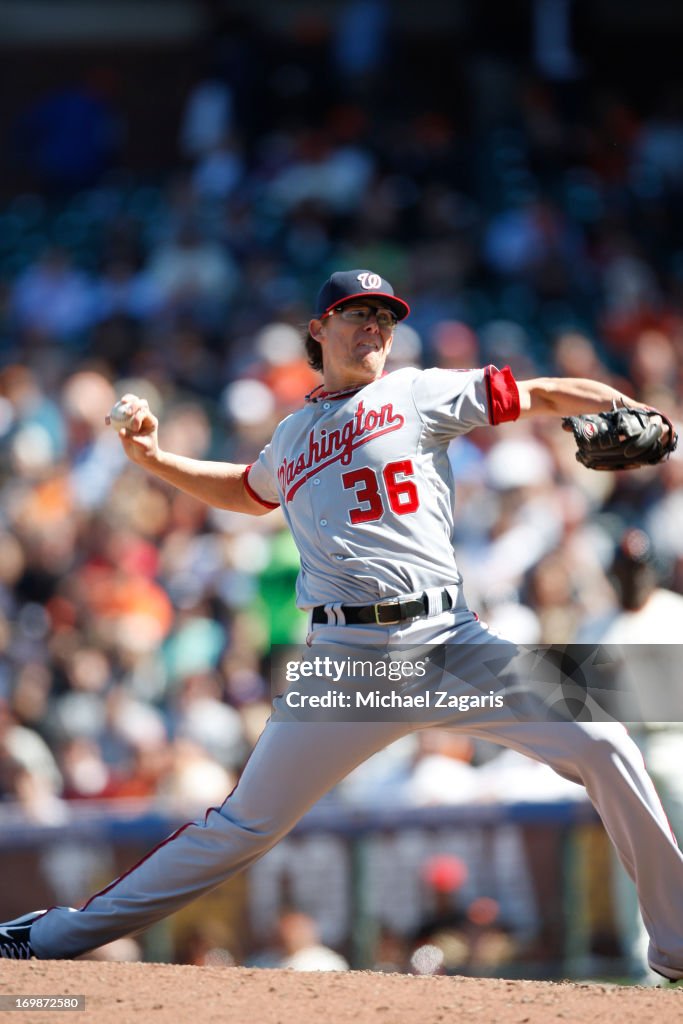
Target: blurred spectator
point(390, 952)
point(219, 171)
point(302, 950)
point(207, 117)
point(193, 273)
point(53, 298)
point(201, 717)
point(406, 350)
point(442, 772)
point(645, 615)
point(281, 365)
point(85, 773)
point(493, 946)
point(27, 750)
point(380, 780)
point(123, 290)
point(206, 944)
point(459, 936)
point(646, 612)
point(533, 241)
point(29, 774)
point(454, 345)
point(575, 355)
point(662, 518)
point(509, 777)
point(317, 170)
point(445, 925)
point(653, 363)
point(525, 517)
point(551, 592)
point(195, 780)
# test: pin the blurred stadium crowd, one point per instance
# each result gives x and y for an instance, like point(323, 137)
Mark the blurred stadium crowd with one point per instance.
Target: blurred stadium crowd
point(136, 626)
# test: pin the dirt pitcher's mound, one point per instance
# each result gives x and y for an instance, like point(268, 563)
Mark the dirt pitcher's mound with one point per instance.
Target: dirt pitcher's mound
point(119, 993)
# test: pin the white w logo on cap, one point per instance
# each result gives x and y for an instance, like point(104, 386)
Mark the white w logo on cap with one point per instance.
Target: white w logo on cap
point(370, 281)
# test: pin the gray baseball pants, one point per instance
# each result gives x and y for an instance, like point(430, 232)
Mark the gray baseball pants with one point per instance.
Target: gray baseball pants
point(294, 763)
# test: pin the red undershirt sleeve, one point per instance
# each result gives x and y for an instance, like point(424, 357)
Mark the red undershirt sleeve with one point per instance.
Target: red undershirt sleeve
point(503, 395)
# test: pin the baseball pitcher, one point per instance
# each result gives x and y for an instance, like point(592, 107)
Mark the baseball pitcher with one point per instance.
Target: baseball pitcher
point(362, 476)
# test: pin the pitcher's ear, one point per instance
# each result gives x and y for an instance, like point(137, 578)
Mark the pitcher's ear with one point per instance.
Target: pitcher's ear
point(316, 329)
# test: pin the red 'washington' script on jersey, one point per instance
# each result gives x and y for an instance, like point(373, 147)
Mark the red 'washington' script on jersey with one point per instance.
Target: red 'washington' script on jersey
point(336, 445)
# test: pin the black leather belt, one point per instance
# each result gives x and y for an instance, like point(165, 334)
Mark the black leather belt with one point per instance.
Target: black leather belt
point(384, 613)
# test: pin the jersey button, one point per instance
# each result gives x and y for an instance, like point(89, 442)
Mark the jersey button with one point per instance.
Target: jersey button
point(323, 522)
point(316, 482)
point(327, 405)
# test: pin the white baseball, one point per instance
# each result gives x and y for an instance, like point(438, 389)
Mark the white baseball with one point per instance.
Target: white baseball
point(120, 415)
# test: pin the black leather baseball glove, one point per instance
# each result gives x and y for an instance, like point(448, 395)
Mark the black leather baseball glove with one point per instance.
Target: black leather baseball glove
point(624, 438)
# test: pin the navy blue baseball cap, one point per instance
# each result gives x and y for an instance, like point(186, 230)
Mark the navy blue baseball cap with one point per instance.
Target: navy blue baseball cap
point(345, 285)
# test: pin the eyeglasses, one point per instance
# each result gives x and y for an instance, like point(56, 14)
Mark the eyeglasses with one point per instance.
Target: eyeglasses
point(361, 314)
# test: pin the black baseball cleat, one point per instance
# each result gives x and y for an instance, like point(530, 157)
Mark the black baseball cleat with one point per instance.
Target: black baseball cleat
point(15, 937)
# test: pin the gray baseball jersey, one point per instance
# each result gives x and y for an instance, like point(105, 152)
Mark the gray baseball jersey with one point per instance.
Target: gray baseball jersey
point(365, 483)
